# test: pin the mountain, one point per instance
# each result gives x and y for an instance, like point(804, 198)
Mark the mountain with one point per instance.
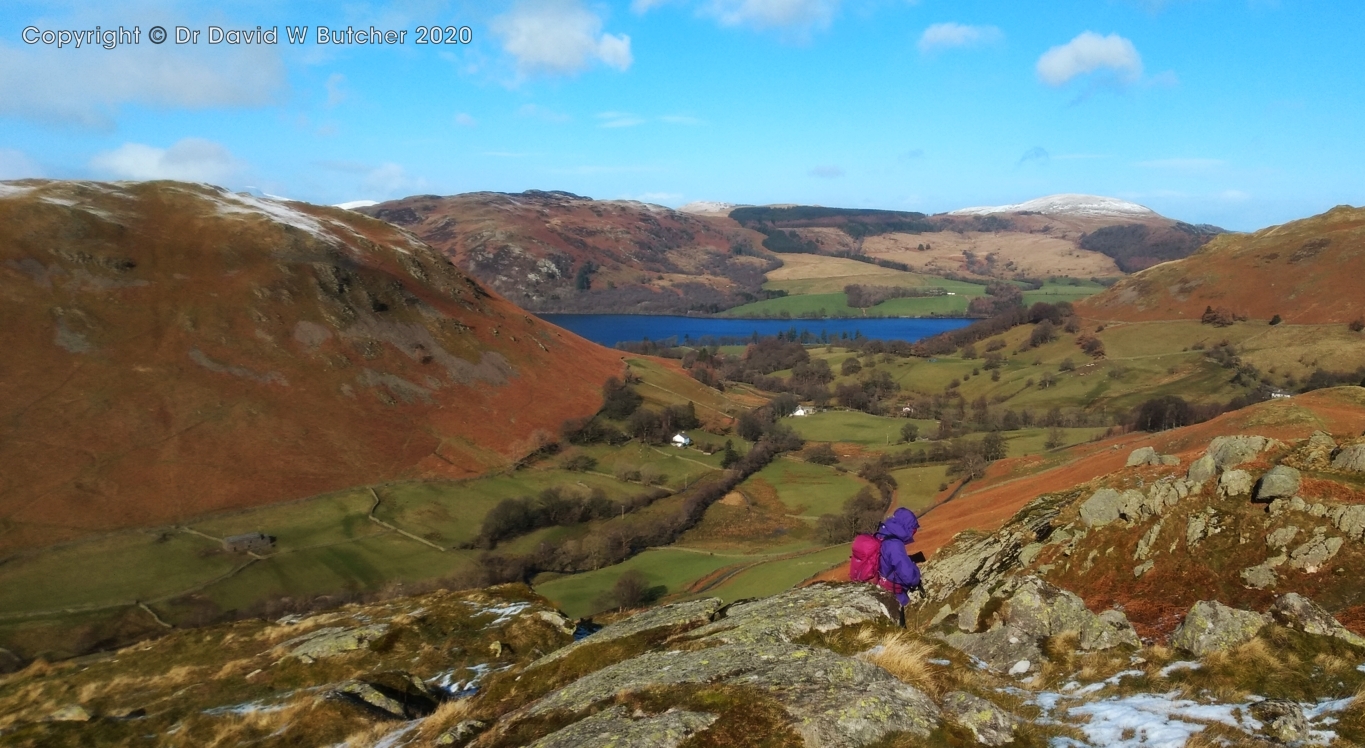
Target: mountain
point(1067, 205)
point(559, 252)
point(175, 349)
point(1307, 271)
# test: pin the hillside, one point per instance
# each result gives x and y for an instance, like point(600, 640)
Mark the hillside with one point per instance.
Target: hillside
point(558, 252)
point(1307, 271)
point(174, 350)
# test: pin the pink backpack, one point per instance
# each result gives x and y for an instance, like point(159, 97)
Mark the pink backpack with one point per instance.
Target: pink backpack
point(865, 565)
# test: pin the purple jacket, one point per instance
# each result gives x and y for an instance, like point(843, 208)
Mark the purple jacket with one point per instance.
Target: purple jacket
point(896, 531)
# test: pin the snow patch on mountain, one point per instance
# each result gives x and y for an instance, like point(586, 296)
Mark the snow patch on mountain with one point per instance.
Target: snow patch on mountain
point(353, 204)
point(1074, 205)
point(709, 207)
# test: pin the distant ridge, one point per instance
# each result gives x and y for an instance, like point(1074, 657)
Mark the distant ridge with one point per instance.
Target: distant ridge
point(1066, 204)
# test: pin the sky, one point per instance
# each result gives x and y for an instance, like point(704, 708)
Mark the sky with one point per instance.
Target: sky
point(1239, 113)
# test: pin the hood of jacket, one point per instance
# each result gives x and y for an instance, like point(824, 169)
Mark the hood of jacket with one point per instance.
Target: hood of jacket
point(901, 525)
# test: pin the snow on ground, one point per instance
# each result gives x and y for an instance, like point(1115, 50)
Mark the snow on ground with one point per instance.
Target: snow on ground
point(13, 190)
point(1076, 205)
point(709, 207)
point(1153, 720)
point(1178, 665)
point(353, 204)
point(503, 613)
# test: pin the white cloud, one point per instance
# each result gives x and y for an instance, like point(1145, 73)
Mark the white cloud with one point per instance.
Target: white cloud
point(559, 37)
point(390, 179)
point(619, 119)
point(826, 172)
point(336, 89)
point(465, 120)
point(1089, 53)
point(950, 35)
point(768, 14)
point(16, 165)
point(188, 160)
point(87, 87)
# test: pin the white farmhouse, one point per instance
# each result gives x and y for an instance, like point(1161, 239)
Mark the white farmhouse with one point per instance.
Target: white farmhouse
point(681, 440)
point(801, 411)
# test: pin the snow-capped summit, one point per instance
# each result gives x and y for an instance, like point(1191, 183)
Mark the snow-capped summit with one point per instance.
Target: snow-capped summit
point(1075, 205)
point(353, 204)
point(709, 207)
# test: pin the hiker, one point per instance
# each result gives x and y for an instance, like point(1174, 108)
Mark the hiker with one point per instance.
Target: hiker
point(896, 532)
point(881, 558)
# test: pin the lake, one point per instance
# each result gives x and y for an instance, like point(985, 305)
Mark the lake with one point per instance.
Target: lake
point(610, 329)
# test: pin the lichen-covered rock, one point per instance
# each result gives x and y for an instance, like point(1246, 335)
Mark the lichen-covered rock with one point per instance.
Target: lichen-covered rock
point(1235, 483)
point(1211, 626)
point(988, 723)
point(1298, 612)
point(1143, 456)
point(969, 613)
point(558, 620)
point(1316, 452)
point(1279, 482)
point(1231, 451)
point(1351, 459)
point(1282, 537)
point(1147, 542)
point(333, 640)
point(1138, 506)
point(1202, 469)
point(832, 700)
point(1349, 519)
point(617, 726)
point(1263, 574)
point(460, 735)
point(1313, 554)
point(397, 695)
point(1102, 507)
point(1143, 567)
point(684, 615)
point(1000, 648)
point(1169, 460)
point(1042, 609)
point(1200, 526)
point(1281, 720)
point(71, 713)
point(784, 617)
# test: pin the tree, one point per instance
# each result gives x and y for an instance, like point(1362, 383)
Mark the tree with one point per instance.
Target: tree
point(909, 432)
point(850, 366)
point(1162, 413)
point(730, 457)
point(645, 425)
point(619, 400)
point(749, 427)
point(1044, 332)
point(1055, 438)
point(631, 590)
point(993, 447)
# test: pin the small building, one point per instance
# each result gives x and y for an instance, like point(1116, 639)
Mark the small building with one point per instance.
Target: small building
point(681, 440)
point(252, 542)
point(801, 411)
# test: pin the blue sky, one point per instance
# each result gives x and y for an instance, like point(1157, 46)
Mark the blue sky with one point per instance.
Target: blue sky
point(1242, 113)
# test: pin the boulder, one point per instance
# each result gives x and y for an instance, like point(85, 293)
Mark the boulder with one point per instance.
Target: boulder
point(831, 700)
point(1202, 469)
point(1351, 459)
point(1143, 456)
point(1263, 574)
point(969, 613)
point(462, 733)
point(989, 724)
point(558, 620)
point(1235, 483)
point(619, 726)
point(679, 616)
point(1102, 507)
point(1281, 720)
point(1041, 610)
point(1298, 612)
point(333, 640)
point(1316, 452)
point(1317, 551)
point(1000, 649)
point(1147, 542)
point(1231, 451)
point(1282, 537)
point(1211, 626)
point(1169, 460)
point(1143, 567)
point(1350, 520)
point(1200, 526)
point(395, 695)
point(783, 618)
point(1280, 482)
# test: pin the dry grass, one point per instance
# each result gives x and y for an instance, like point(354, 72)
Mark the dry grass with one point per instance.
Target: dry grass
point(121, 684)
point(446, 716)
point(907, 659)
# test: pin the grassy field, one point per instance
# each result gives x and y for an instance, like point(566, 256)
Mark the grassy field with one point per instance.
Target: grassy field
point(774, 576)
point(672, 568)
point(819, 304)
point(917, 487)
point(320, 521)
point(807, 489)
point(856, 427)
point(660, 385)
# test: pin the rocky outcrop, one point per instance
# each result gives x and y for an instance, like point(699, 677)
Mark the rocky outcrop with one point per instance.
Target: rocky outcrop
point(333, 640)
point(831, 700)
point(1263, 574)
point(1109, 505)
point(1202, 469)
point(1281, 720)
point(1149, 456)
point(464, 731)
point(1235, 483)
point(973, 559)
point(1028, 612)
point(1298, 612)
point(1280, 482)
point(1211, 626)
point(392, 695)
point(1317, 551)
point(678, 616)
point(792, 614)
point(1231, 451)
point(1351, 459)
point(619, 726)
point(1282, 537)
point(989, 724)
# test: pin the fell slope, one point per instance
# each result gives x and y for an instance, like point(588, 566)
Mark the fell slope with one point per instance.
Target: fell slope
point(174, 349)
point(1308, 271)
point(558, 252)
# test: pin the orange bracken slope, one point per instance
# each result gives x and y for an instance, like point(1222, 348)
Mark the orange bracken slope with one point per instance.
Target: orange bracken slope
point(175, 349)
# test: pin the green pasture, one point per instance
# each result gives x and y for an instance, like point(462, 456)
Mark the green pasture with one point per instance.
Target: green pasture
point(834, 284)
point(673, 568)
point(820, 304)
point(774, 576)
point(318, 521)
point(855, 427)
point(808, 489)
point(917, 487)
